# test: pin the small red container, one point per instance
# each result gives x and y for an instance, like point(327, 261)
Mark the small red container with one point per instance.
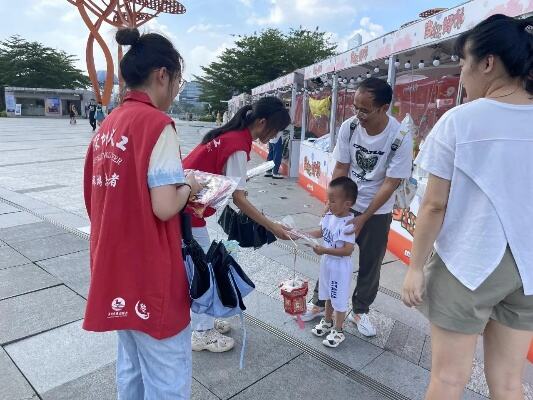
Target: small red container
point(295, 300)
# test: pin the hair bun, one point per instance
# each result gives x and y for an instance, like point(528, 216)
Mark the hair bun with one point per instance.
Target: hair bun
point(127, 36)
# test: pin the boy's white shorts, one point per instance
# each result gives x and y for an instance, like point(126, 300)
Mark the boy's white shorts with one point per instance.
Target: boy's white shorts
point(335, 281)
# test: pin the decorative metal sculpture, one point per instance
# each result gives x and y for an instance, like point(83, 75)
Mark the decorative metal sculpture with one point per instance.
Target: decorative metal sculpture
point(118, 13)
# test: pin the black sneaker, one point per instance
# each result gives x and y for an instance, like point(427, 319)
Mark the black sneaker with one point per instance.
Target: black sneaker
point(268, 174)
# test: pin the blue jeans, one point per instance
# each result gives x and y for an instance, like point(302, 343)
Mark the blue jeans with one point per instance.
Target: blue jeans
point(151, 369)
point(275, 152)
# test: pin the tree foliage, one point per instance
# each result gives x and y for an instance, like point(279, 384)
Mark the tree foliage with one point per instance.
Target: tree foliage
point(260, 58)
point(31, 64)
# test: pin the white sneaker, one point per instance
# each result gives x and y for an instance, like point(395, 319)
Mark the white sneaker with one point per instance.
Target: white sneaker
point(334, 338)
point(312, 312)
point(212, 341)
point(222, 326)
point(363, 323)
point(277, 176)
point(322, 328)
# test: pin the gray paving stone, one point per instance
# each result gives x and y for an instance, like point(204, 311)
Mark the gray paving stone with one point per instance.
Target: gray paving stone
point(11, 258)
point(23, 279)
point(220, 372)
point(15, 219)
point(272, 251)
point(381, 322)
point(68, 352)
point(425, 357)
point(7, 209)
point(392, 275)
point(306, 378)
point(399, 374)
point(395, 309)
point(13, 385)
point(97, 385)
point(354, 352)
point(36, 312)
point(21, 233)
point(198, 392)
point(397, 338)
point(73, 269)
point(53, 246)
point(413, 346)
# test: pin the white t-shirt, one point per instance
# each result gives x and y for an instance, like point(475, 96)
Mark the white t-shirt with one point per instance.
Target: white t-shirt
point(165, 165)
point(236, 168)
point(334, 234)
point(368, 158)
point(485, 148)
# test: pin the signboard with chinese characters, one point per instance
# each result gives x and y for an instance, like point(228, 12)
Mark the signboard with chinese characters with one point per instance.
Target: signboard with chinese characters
point(456, 20)
point(320, 68)
point(18, 109)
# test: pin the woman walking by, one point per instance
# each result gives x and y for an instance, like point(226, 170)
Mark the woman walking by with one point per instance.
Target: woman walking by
point(475, 211)
point(73, 114)
point(226, 151)
point(134, 188)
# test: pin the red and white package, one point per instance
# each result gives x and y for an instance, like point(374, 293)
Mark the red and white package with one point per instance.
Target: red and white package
point(216, 191)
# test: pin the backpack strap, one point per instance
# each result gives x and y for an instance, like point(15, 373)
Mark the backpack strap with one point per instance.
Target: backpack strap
point(353, 125)
point(396, 143)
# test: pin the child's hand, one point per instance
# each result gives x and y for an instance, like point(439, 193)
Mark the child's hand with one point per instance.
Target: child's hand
point(319, 250)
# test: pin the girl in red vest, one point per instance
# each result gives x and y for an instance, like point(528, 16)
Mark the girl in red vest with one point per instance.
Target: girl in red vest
point(134, 188)
point(226, 151)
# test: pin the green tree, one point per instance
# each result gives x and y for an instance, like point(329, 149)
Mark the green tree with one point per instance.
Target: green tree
point(31, 64)
point(260, 58)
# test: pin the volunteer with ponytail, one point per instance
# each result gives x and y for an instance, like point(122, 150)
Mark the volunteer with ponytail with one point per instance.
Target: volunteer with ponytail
point(226, 151)
point(476, 212)
point(134, 188)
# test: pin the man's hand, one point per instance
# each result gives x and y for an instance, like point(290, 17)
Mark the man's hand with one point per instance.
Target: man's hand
point(319, 250)
point(358, 224)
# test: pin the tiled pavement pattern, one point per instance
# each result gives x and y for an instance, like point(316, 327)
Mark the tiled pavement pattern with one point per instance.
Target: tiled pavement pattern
point(44, 276)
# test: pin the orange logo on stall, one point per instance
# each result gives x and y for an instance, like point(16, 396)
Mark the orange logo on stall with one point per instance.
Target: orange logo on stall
point(407, 219)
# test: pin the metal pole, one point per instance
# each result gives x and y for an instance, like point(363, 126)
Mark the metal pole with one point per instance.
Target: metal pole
point(293, 109)
point(391, 79)
point(304, 111)
point(459, 94)
point(333, 116)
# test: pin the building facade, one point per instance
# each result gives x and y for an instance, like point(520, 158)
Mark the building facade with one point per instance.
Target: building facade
point(41, 102)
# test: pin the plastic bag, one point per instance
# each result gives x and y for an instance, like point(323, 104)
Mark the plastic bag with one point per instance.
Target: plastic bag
point(216, 191)
point(259, 170)
point(406, 191)
point(288, 222)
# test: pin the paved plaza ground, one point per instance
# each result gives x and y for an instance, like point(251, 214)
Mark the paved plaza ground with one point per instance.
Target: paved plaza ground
point(44, 278)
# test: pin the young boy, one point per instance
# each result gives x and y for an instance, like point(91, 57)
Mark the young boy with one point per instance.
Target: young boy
point(336, 265)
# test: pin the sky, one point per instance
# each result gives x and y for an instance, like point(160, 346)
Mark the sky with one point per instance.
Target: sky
point(210, 26)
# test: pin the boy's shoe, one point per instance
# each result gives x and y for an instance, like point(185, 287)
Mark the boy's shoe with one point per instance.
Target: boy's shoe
point(277, 176)
point(268, 174)
point(312, 312)
point(363, 323)
point(222, 326)
point(334, 338)
point(211, 340)
point(322, 328)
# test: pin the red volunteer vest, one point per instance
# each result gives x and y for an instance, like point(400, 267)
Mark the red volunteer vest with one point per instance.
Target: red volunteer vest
point(138, 280)
point(212, 158)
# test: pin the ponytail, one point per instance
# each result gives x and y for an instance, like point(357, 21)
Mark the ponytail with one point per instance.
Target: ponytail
point(271, 108)
point(239, 122)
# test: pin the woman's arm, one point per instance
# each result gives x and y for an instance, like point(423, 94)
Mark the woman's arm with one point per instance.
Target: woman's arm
point(428, 224)
point(168, 200)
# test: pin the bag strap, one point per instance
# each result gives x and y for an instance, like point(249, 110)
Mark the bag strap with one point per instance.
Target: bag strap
point(396, 144)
